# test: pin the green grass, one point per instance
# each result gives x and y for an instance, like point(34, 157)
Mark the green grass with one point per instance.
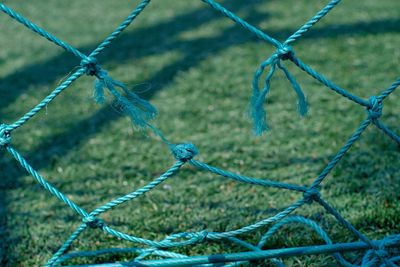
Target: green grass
point(196, 66)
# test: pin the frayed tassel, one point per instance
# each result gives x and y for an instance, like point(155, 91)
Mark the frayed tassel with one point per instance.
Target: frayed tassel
point(302, 105)
point(138, 117)
point(139, 110)
point(258, 115)
point(149, 111)
point(98, 93)
point(257, 110)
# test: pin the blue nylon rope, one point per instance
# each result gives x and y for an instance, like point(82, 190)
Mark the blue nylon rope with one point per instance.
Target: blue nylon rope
point(141, 112)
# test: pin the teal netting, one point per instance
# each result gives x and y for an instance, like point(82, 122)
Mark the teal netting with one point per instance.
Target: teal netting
point(378, 252)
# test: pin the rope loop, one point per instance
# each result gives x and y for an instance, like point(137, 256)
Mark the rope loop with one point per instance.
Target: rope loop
point(91, 66)
point(93, 222)
point(375, 108)
point(5, 136)
point(184, 152)
point(284, 52)
point(311, 195)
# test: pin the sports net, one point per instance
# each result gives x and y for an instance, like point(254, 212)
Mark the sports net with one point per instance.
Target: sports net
point(377, 252)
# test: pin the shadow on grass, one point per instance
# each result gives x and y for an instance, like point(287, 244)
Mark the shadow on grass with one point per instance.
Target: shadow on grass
point(194, 51)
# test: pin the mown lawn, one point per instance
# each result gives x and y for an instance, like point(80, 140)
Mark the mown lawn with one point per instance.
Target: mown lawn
point(196, 67)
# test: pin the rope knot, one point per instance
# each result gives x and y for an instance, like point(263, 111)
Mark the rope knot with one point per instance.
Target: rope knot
point(184, 152)
point(284, 52)
point(311, 195)
point(91, 66)
point(201, 236)
point(93, 222)
point(382, 253)
point(375, 108)
point(139, 110)
point(5, 136)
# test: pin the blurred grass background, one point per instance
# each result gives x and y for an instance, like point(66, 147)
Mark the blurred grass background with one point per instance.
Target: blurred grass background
point(196, 66)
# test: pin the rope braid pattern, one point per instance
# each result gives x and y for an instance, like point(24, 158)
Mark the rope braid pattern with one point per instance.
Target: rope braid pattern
point(141, 112)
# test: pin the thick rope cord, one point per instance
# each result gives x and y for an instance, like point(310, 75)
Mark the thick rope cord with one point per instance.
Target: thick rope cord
point(46, 100)
point(246, 179)
point(303, 29)
point(161, 253)
point(54, 191)
point(140, 111)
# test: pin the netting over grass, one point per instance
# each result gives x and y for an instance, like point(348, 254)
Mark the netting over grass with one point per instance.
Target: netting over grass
point(378, 252)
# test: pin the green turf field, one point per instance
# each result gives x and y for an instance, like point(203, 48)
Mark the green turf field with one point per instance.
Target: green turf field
point(196, 67)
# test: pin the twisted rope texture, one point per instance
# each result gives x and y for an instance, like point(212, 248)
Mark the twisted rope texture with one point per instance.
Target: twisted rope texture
point(141, 112)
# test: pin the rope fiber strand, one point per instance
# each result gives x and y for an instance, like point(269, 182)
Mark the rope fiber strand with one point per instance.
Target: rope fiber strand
point(140, 111)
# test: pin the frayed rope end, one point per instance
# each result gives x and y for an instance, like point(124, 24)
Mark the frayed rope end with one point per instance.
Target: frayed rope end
point(302, 107)
point(258, 115)
point(139, 110)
